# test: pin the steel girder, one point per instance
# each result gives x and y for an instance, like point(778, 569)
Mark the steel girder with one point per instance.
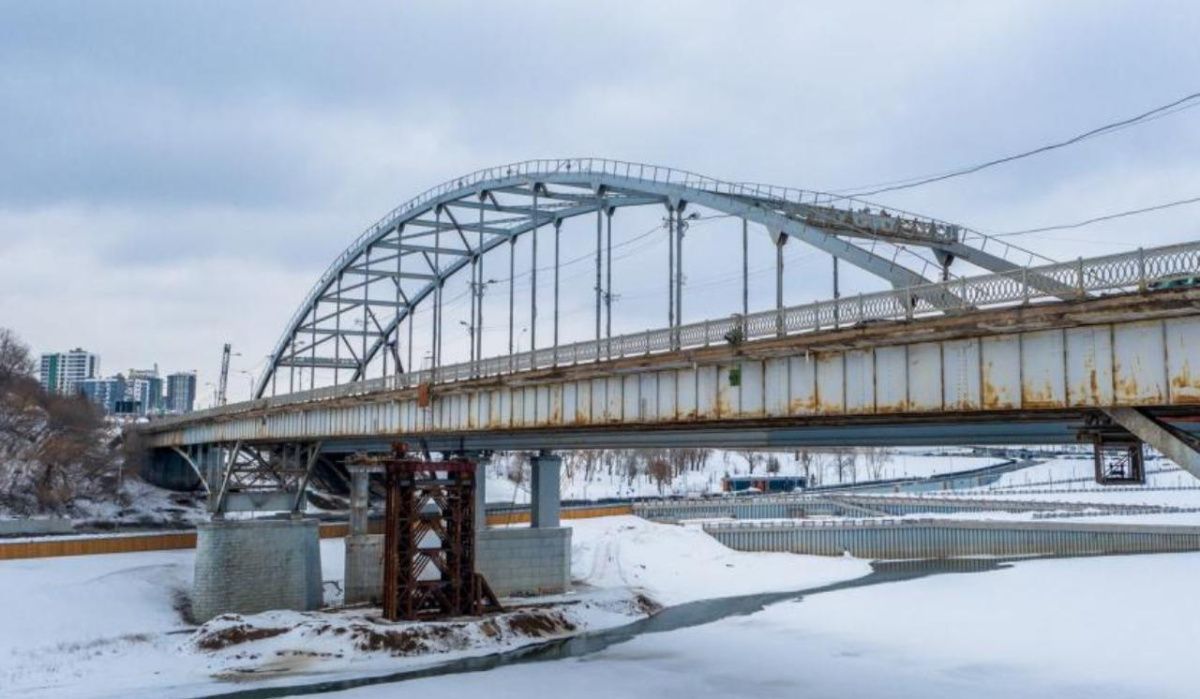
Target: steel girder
point(408, 238)
point(263, 477)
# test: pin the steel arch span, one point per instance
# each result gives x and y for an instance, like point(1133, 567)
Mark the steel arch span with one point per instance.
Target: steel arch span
point(353, 316)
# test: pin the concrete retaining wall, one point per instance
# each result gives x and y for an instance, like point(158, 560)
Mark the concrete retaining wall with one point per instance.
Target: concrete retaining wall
point(249, 566)
point(525, 561)
point(896, 539)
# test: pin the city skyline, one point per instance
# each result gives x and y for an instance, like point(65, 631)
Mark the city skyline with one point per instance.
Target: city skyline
point(141, 391)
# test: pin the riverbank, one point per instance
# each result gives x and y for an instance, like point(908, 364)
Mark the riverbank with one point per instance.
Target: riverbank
point(114, 625)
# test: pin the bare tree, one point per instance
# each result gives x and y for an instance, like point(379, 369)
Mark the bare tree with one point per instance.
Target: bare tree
point(16, 361)
point(53, 449)
point(660, 471)
point(843, 462)
point(752, 459)
point(804, 460)
point(876, 458)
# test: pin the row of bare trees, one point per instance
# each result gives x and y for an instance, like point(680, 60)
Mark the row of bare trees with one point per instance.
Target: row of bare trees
point(53, 449)
point(664, 466)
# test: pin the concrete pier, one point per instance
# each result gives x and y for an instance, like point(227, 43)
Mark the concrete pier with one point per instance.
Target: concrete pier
point(521, 561)
point(250, 566)
point(536, 560)
point(545, 501)
point(364, 569)
point(363, 578)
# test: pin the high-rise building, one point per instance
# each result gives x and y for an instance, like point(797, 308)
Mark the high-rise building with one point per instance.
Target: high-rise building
point(61, 372)
point(105, 393)
point(181, 392)
point(146, 387)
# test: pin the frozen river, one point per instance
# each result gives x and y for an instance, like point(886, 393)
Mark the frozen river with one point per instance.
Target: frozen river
point(1087, 627)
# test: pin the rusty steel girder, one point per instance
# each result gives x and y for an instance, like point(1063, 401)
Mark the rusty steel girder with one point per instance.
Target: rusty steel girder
point(429, 540)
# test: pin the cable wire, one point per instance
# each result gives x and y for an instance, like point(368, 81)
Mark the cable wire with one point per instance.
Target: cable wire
point(1098, 131)
point(1097, 219)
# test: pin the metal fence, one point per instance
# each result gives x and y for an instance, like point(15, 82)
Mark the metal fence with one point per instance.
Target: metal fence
point(802, 506)
point(930, 538)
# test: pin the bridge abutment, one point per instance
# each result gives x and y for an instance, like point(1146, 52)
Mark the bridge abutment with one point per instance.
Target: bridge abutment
point(250, 566)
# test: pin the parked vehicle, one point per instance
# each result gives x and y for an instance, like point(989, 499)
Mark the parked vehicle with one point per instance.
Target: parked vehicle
point(1178, 281)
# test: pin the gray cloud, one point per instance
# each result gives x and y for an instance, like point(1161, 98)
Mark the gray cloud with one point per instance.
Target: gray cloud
point(193, 166)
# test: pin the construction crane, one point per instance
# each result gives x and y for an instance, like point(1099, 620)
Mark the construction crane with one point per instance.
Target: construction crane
point(224, 382)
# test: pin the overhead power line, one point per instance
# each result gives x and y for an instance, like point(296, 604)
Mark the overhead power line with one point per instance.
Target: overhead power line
point(1177, 105)
point(1097, 219)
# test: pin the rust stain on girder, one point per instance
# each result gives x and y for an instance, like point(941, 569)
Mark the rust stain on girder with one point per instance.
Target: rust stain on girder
point(1040, 395)
point(1128, 390)
point(1185, 387)
point(992, 396)
point(890, 408)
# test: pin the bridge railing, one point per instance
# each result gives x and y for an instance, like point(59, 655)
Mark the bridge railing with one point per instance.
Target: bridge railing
point(1118, 273)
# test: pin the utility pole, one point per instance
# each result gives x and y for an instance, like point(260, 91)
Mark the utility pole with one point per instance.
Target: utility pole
point(681, 225)
point(224, 380)
point(608, 277)
point(670, 266)
point(533, 276)
point(836, 294)
point(599, 252)
point(745, 269)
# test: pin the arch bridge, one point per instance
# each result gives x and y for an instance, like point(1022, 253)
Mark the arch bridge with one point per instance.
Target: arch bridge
point(1030, 351)
point(357, 320)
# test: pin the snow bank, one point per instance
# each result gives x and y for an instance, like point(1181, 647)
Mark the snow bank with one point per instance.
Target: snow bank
point(675, 564)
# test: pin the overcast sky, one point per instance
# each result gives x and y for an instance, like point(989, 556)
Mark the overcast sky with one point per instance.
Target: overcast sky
point(176, 175)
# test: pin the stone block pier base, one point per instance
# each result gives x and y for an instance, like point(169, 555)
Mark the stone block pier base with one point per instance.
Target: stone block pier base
point(250, 566)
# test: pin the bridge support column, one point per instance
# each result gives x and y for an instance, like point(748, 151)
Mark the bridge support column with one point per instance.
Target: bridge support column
point(480, 495)
point(363, 573)
point(251, 566)
point(536, 560)
point(544, 500)
point(1177, 446)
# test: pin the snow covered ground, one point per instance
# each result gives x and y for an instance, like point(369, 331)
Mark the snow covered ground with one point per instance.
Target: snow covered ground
point(140, 505)
point(673, 564)
point(1096, 628)
point(1066, 473)
point(96, 626)
point(1070, 480)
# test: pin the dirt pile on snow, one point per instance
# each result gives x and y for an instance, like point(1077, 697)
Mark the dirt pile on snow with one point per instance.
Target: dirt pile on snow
point(236, 645)
point(225, 636)
point(370, 634)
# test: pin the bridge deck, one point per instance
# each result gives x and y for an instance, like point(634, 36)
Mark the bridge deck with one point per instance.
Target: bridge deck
point(1018, 374)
